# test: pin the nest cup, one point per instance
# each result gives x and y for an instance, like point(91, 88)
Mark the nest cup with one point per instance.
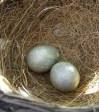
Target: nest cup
point(71, 28)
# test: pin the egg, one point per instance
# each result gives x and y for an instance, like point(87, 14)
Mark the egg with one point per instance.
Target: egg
point(64, 76)
point(42, 57)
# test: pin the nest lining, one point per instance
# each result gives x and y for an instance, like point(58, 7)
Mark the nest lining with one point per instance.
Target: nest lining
point(71, 28)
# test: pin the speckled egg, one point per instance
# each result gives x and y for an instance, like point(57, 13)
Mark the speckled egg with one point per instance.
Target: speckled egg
point(64, 76)
point(42, 57)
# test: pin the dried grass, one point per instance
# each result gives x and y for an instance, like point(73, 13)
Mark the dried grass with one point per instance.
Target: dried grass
point(70, 26)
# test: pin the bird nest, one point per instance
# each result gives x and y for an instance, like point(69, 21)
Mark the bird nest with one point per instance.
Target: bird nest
point(69, 25)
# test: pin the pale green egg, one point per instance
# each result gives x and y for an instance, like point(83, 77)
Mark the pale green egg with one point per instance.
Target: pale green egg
point(64, 76)
point(42, 57)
